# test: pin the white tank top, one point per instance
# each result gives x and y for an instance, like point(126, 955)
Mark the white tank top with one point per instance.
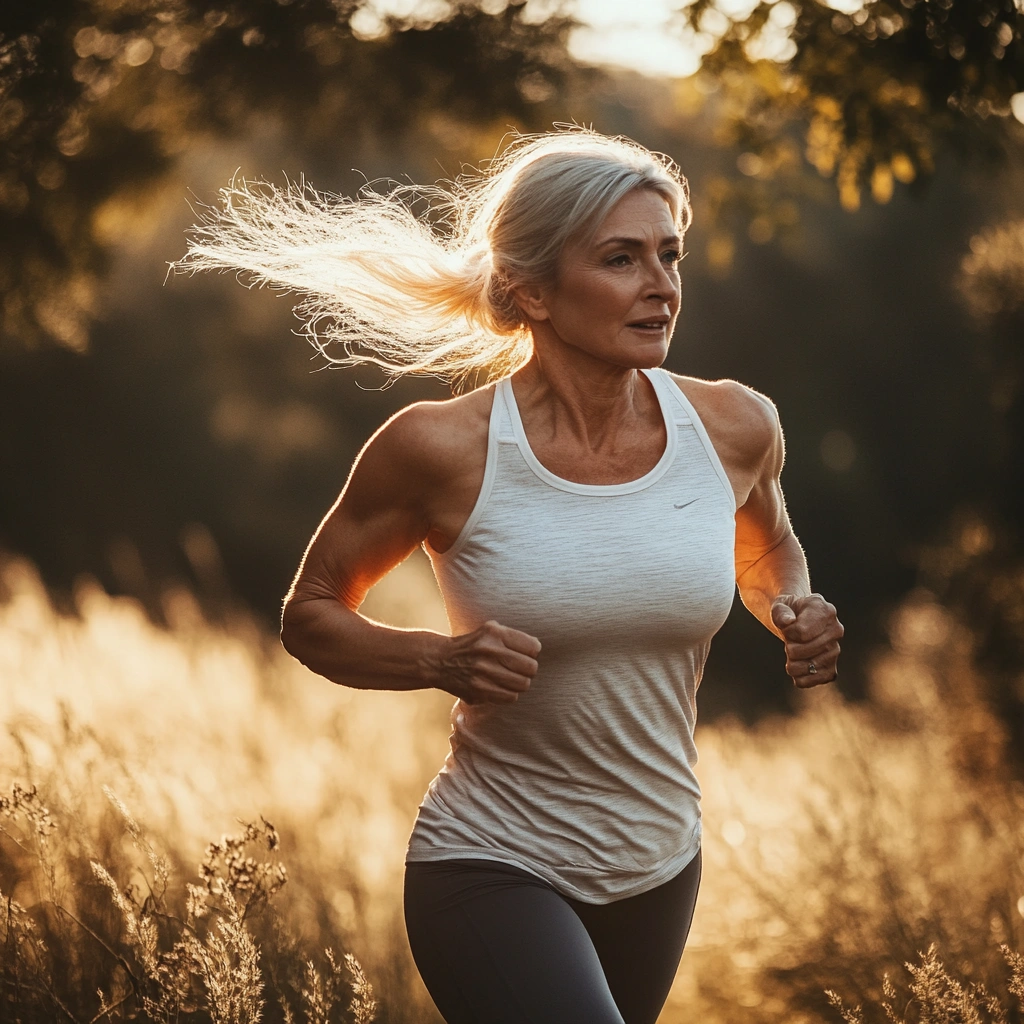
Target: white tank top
point(587, 779)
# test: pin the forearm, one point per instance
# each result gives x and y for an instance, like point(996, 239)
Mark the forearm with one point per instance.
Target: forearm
point(343, 646)
point(782, 570)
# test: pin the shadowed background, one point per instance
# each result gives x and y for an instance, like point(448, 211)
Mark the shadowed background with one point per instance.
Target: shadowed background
point(156, 432)
point(857, 254)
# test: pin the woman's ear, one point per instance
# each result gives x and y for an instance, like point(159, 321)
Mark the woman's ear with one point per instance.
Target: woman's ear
point(530, 300)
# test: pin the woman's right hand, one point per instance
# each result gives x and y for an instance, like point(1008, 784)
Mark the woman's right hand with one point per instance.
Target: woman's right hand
point(491, 665)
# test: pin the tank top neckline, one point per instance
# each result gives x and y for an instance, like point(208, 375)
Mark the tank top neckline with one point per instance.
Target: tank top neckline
point(627, 487)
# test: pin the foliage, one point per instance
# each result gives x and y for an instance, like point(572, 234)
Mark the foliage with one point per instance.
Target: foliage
point(939, 998)
point(991, 282)
point(158, 958)
point(992, 278)
point(98, 98)
point(977, 571)
point(871, 97)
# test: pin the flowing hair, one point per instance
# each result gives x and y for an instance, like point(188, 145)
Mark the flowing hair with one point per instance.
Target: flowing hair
point(419, 280)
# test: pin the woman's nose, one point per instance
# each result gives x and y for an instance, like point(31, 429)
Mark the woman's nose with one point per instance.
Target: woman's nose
point(662, 280)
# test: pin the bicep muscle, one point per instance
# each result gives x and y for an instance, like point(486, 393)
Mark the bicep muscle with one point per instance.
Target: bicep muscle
point(376, 522)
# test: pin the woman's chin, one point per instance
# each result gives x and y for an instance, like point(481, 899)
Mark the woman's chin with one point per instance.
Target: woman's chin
point(647, 356)
point(632, 354)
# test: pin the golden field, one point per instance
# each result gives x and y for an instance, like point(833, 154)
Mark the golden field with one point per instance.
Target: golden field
point(839, 843)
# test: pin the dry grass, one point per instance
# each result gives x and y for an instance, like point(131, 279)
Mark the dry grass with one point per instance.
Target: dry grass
point(938, 996)
point(195, 729)
point(839, 844)
point(844, 842)
point(147, 952)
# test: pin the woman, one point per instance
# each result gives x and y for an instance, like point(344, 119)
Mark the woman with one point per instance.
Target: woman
point(588, 517)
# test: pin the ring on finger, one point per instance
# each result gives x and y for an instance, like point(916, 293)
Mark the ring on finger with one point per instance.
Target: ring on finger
point(812, 669)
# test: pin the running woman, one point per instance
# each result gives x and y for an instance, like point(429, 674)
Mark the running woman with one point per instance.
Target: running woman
point(588, 516)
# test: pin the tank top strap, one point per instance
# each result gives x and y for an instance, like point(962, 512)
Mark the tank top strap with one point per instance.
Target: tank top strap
point(685, 414)
point(502, 430)
point(499, 429)
point(680, 410)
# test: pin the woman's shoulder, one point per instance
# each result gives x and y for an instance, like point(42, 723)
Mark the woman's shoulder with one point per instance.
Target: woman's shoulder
point(436, 437)
point(740, 421)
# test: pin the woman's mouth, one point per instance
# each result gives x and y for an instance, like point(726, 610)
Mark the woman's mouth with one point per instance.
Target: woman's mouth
point(650, 326)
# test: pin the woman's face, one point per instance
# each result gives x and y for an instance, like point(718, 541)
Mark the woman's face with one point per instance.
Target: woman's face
point(617, 296)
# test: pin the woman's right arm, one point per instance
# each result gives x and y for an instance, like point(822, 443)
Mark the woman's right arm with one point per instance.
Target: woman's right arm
point(394, 498)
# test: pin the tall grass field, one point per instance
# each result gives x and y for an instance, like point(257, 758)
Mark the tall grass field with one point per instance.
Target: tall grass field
point(193, 828)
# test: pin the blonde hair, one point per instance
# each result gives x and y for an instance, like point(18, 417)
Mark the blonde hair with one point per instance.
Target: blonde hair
point(430, 292)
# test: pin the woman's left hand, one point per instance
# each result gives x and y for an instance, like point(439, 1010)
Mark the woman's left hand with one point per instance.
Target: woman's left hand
point(811, 631)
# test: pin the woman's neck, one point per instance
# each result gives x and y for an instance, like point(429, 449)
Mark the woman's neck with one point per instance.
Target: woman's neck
point(591, 399)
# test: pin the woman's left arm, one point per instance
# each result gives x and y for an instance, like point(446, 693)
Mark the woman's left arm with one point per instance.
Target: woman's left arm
point(771, 570)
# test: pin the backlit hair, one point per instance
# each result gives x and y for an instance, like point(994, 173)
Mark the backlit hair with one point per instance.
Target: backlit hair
point(418, 280)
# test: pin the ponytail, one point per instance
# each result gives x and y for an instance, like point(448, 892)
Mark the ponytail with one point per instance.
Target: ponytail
point(378, 284)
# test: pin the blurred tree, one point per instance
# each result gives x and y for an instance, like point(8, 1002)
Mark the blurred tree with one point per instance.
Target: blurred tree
point(991, 283)
point(979, 568)
point(977, 571)
point(869, 98)
point(97, 97)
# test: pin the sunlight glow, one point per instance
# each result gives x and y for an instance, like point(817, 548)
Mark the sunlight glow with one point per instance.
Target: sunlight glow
point(647, 50)
point(636, 36)
point(642, 36)
point(773, 41)
point(845, 6)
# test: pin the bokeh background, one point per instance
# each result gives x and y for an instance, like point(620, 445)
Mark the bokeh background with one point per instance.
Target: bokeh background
point(167, 446)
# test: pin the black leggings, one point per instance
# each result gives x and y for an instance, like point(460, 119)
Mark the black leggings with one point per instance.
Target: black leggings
point(497, 945)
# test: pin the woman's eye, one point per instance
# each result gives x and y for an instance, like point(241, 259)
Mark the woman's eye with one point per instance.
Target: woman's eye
point(621, 260)
point(672, 256)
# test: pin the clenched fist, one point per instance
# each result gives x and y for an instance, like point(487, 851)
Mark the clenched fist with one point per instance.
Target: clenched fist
point(491, 665)
point(811, 631)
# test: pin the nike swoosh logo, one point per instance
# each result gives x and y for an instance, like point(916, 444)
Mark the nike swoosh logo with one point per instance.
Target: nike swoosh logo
point(685, 503)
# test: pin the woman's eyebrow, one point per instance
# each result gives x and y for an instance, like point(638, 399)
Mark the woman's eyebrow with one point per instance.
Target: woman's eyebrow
point(638, 242)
